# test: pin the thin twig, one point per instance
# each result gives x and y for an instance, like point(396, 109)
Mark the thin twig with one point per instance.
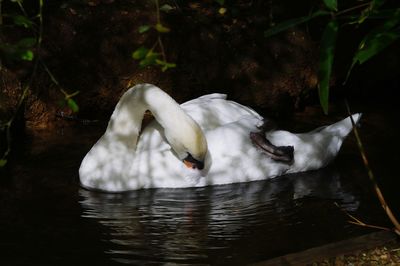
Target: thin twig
point(1, 13)
point(55, 81)
point(371, 176)
point(22, 8)
point(161, 48)
point(351, 9)
point(9, 123)
point(358, 222)
point(154, 46)
point(40, 37)
point(157, 11)
point(159, 41)
point(370, 226)
point(50, 75)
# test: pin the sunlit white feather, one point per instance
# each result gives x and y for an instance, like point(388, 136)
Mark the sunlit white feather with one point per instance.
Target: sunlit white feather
point(121, 161)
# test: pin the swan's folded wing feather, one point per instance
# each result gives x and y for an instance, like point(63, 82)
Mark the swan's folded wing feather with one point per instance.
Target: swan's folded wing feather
point(213, 112)
point(208, 97)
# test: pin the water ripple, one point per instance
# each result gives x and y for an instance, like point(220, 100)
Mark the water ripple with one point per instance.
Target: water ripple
point(199, 225)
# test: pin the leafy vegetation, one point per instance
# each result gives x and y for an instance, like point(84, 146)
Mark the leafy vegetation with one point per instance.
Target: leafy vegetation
point(156, 54)
point(26, 49)
point(383, 32)
point(374, 42)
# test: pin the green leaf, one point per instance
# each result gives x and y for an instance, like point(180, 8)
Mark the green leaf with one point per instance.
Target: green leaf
point(140, 53)
point(161, 28)
point(376, 41)
point(373, 47)
point(331, 4)
point(26, 55)
point(3, 162)
point(144, 28)
point(150, 59)
point(293, 22)
point(165, 65)
point(327, 52)
point(220, 2)
point(368, 11)
point(22, 21)
point(166, 8)
point(14, 52)
point(73, 105)
point(147, 62)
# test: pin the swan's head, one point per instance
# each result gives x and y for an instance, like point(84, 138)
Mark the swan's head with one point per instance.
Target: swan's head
point(189, 143)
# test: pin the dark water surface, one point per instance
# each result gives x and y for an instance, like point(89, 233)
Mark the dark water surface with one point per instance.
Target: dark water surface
point(47, 219)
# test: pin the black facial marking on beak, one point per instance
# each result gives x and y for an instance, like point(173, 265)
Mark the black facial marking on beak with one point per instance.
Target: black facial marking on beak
point(191, 162)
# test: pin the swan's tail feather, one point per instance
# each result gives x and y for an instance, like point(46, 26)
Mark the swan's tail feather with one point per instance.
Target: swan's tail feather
point(343, 127)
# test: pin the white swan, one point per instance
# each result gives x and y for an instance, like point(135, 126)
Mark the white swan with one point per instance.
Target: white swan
point(202, 142)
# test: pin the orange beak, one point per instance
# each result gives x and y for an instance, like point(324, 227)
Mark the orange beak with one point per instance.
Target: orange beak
point(192, 163)
point(189, 164)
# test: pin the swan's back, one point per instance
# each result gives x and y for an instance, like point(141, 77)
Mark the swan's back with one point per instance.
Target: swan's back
point(213, 110)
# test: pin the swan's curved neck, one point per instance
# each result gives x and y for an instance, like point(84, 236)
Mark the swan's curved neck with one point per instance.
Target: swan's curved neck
point(179, 128)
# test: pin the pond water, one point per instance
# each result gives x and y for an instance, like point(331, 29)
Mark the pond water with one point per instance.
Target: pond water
point(47, 219)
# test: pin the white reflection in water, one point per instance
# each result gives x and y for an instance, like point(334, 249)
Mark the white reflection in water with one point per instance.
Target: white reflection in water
point(197, 225)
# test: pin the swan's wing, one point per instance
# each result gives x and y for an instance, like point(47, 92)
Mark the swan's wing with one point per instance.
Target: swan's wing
point(209, 97)
point(213, 110)
point(235, 158)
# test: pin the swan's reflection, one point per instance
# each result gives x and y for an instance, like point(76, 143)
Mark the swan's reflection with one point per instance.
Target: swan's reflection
point(193, 225)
